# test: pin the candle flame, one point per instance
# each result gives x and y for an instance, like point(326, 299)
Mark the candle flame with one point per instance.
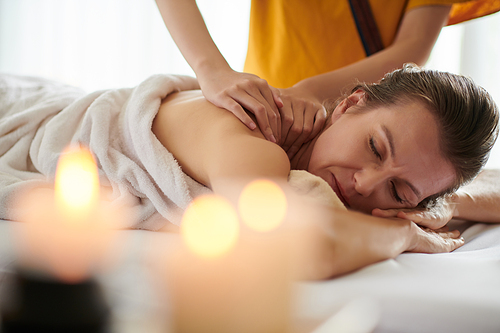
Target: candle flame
point(69, 232)
point(76, 183)
point(262, 205)
point(210, 226)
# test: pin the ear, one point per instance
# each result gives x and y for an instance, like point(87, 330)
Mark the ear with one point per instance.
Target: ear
point(356, 98)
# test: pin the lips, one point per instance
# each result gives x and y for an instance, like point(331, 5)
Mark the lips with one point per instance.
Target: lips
point(339, 191)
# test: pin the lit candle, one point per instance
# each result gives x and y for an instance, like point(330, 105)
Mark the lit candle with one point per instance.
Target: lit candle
point(68, 228)
point(65, 238)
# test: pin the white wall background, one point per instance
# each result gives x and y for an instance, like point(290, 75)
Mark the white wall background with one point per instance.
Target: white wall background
point(99, 44)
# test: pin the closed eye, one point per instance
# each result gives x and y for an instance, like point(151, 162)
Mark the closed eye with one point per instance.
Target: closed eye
point(395, 193)
point(374, 149)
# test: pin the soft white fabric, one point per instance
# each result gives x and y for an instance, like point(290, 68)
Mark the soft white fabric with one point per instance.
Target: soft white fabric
point(39, 118)
point(313, 188)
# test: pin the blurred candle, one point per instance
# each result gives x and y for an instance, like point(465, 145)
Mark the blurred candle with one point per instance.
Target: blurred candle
point(66, 238)
point(76, 186)
point(68, 229)
point(210, 226)
point(262, 205)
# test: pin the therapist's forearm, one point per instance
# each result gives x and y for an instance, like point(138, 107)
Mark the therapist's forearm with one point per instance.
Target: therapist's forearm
point(416, 37)
point(189, 31)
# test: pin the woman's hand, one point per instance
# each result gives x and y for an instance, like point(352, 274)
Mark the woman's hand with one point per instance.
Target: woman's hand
point(302, 118)
point(433, 218)
point(237, 92)
point(426, 240)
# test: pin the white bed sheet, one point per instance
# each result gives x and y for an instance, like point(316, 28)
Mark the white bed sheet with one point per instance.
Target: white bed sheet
point(451, 292)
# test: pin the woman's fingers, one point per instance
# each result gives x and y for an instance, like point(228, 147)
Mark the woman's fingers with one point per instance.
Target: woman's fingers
point(385, 212)
point(433, 218)
point(435, 241)
point(452, 240)
point(416, 216)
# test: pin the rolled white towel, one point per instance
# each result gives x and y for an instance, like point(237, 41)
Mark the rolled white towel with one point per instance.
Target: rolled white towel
point(314, 188)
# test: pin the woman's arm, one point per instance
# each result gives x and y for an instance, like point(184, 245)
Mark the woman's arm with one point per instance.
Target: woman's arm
point(217, 150)
point(418, 32)
point(220, 84)
point(347, 240)
point(480, 200)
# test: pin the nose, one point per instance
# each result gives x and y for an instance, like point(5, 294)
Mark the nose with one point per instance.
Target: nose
point(366, 181)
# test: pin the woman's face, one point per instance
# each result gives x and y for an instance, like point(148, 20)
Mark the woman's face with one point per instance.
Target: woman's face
point(387, 157)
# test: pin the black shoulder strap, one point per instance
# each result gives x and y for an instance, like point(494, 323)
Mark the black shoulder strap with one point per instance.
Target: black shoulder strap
point(367, 27)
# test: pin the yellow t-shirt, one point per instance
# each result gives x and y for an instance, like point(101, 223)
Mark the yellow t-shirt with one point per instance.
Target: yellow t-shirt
point(291, 40)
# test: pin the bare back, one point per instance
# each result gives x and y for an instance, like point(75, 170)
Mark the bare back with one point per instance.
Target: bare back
point(210, 143)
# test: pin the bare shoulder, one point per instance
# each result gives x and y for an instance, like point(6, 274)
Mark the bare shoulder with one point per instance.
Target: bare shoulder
point(209, 142)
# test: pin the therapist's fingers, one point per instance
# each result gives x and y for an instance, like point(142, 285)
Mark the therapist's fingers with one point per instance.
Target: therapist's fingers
point(308, 127)
point(319, 123)
point(287, 119)
point(256, 96)
point(266, 118)
point(296, 129)
point(261, 103)
point(235, 108)
point(301, 121)
point(277, 97)
point(273, 102)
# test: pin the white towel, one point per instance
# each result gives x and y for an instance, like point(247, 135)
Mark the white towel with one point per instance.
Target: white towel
point(314, 188)
point(39, 118)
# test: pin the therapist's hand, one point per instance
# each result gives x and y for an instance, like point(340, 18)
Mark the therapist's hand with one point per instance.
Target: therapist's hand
point(434, 218)
point(237, 92)
point(302, 118)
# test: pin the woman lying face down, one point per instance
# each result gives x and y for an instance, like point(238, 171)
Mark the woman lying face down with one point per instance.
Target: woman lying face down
point(399, 144)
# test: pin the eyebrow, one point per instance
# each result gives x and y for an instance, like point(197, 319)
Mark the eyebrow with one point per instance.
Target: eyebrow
point(392, 151)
